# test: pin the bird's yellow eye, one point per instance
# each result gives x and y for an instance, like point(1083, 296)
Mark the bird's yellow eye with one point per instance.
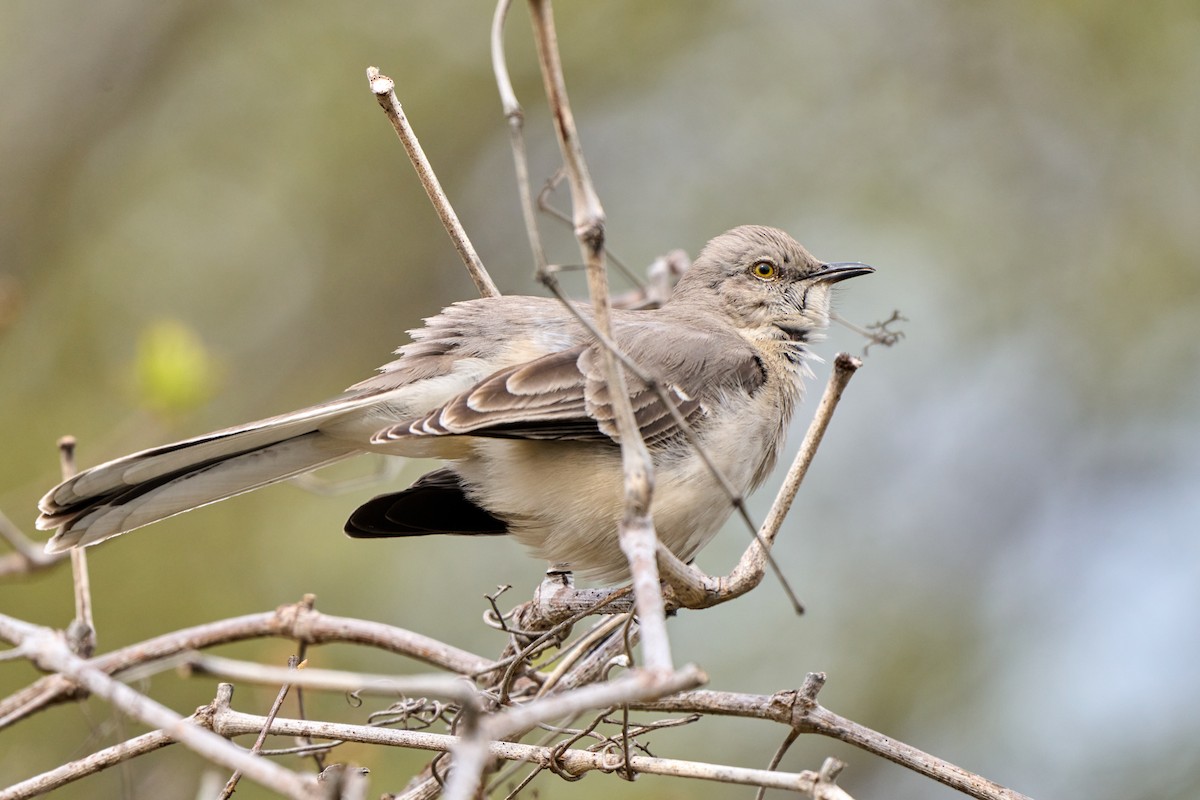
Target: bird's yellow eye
point(764, 270)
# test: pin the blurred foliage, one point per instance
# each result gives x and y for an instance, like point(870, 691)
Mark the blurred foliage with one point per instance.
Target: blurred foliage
point(174, 373)
point(1000, 529)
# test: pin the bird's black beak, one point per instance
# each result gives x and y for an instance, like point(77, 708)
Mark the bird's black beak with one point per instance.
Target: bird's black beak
point(840, 271)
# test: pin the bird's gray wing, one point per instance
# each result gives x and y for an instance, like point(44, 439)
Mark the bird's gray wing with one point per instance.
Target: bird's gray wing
point(497, 331)
point(564, 395)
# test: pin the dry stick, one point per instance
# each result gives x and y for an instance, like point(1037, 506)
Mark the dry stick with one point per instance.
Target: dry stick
point(46, 649)
point(308, 602)
point(229, 722)
point(29, 556)
point(293, 621)
point(81, 633)
point(700, 590)
point(800, 710)
point(318, 756)
point(256, 749)
point(515, 116)
point(636, 531)
point(332, 680)
point(809, 715)
point(689, 587)
point(580, 648)
point(516, 121)
point(514, 768)
point(749, 569)
point(233, 723)
point(546, 636)
point(543, 205)
point(780, 752)
point(384, 89)
point(100, 760)
point(472, 751)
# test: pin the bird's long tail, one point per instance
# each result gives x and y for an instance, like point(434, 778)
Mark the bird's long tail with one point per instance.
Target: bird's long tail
point(145, 487)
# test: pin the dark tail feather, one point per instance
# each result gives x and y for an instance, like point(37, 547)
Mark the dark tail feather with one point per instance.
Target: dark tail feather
point(436, 503)
point(92, 519)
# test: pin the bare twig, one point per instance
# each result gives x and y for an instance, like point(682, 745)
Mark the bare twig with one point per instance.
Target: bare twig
point(47, 650)
point(703, 590)
point(580, 649)
point(81, 633)
point(318, 755)
point(544, 206)
point(877, 333)
point(780, 752)
point(589, 226)
point(256, 749)
point(471, 756)
point(688, 587)
point(799, 709)
point(384, 89)
point(515, 116)
point(332, 680)
point(293, 621)
point(97, 762)
point(28, 557)
point(229, 722)
point(636, 530)
point(749, 569)
point(556, 630)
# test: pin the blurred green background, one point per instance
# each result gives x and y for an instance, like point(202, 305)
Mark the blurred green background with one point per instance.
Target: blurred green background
point(998, 542)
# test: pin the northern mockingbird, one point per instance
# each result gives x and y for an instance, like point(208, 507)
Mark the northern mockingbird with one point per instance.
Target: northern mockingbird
point(510, 392)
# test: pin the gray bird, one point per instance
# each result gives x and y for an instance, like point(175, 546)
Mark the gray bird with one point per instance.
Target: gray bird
point(510, 392)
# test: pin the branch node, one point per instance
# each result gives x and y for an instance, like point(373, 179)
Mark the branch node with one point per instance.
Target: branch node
point(830, 769)
point(813, 683)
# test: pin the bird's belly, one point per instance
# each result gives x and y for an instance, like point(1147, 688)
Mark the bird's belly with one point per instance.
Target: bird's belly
point(565, 500)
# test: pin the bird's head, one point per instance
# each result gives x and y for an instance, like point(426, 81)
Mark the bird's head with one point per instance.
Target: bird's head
point(766, 282)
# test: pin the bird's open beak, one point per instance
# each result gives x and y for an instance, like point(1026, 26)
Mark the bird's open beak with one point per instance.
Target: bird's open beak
point(841, 270)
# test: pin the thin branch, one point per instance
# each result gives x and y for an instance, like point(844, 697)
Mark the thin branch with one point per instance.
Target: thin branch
point(515, 116)
point(581, 648)
point(384, 89)
point(780, 752)
point(28, 557)
point(471, 756)
point(688, 587)
point(877, 333)
point(636, 530)
point(544, 206)
point(799, 709)
point(704, 591)
point(256, 748)
point(332, 680)
point(81, 633)
point(689, 582)
point(749, 569)
point(47, 650)
point(560, 628)
point(293, 621)
point(97, 762)
point(229, 722)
